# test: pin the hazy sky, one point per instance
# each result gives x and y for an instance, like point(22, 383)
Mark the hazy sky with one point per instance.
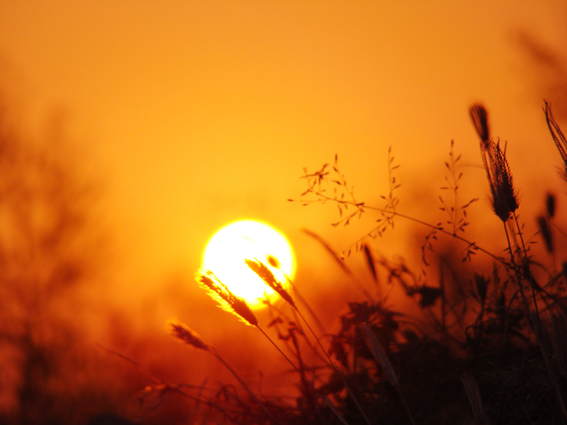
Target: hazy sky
point(199, 113)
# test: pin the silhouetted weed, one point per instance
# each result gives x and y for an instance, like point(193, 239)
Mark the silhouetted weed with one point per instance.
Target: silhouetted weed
point(487, 345)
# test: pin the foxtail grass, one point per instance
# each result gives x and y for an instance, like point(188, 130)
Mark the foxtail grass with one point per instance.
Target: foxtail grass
point(504, 197)
point(233, 304)
point(493, 325)
point(225, 297)
point(238, 306)
point(269, 279)
point(479, 118)
point(504, 205)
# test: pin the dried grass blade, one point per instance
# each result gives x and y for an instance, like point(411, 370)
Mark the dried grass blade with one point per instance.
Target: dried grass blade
point(473, 395)
point(379, 353)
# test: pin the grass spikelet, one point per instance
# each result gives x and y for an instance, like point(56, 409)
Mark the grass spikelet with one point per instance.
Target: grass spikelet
point(269, 279)
point(504, 196)
point(231, 303)
point(273, 261)
point(550, 205)
point(557, 135)
point(224, 296)
point(379, 353)
point(370, 261)
point(497, 320)
point(473, 395)
point(187, 335)
point(480, 120)
point(545, 232)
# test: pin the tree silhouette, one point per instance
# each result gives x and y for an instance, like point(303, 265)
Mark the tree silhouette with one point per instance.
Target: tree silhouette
point(47, 250)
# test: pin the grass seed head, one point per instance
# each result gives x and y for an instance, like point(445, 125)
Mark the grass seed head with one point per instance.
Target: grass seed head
point(481, 284)
point(545, 232)
point(269, 279)
point(225, 297)
point(480, 120)
point(557, 135)
point(273, 261)
point(504, 195)
point(187, 335)
point(550, 205)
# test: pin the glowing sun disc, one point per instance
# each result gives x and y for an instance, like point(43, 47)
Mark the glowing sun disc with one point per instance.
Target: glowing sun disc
point(227, 250)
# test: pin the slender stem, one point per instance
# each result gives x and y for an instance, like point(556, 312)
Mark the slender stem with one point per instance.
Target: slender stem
point(536, 326)
point(533, 283)
point(305, 303)
point(351, 394)
point(279, 349)
point(359, 285)
point(406, 405)
point(307, 340)
point(256, 399)
point(301, 374)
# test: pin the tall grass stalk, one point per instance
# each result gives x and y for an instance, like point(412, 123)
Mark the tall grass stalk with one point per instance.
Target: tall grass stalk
point(269, 279)
point(486, 324)
point(381, 357)
point(475, 401)
point(535, 322)
point(505, 204)
point(230, 302)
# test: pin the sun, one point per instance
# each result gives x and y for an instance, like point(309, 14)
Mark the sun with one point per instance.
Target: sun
point(227, 250)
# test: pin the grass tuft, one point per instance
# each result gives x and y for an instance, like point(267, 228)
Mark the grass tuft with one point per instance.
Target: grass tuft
point(484, 334)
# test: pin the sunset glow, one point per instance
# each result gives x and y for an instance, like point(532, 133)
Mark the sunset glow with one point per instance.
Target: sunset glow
point(228, 249)
point(142, 141)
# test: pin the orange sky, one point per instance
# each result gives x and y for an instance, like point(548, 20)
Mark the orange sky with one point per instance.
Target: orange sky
point(198, 113)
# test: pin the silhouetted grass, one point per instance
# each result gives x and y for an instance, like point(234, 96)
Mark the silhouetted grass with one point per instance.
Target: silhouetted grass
point(494, 353)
